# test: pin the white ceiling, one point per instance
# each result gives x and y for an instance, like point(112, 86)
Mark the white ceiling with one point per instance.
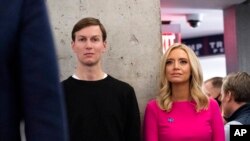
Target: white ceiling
point(212, 10)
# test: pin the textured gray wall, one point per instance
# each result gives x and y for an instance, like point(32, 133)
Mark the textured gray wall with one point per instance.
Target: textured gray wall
point(230, 39)
point(236, 37)
point(134, 39)
point(243, 36)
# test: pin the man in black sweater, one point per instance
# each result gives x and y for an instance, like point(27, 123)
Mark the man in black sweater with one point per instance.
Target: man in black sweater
point(99, 107)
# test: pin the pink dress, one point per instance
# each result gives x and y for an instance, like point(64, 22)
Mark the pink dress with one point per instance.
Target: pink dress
point(183, 123)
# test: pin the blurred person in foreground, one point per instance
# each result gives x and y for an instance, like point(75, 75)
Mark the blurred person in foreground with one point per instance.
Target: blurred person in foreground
point(235, 100)
point(181, 111)
point(99, 106)
point(30, 90)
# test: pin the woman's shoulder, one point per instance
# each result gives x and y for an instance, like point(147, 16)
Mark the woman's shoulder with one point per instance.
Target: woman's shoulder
point(213, 103)
point(152, 103)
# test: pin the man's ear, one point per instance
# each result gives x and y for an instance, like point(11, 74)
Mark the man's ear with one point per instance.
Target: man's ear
point(73, 45)
point(229, 96)
point(105, 46)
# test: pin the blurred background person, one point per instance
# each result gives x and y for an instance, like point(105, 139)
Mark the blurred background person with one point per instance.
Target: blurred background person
point(235, 100)
point(30, 90)
point(182, 111)
point(212, 87)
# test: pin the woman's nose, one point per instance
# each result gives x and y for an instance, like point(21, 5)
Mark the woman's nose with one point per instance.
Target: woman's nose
point(176, 64)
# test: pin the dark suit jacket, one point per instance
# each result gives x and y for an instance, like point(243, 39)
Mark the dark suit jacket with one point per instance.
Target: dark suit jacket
point(29, 80)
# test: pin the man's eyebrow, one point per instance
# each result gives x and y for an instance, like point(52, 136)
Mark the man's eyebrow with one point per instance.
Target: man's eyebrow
point(90, 36)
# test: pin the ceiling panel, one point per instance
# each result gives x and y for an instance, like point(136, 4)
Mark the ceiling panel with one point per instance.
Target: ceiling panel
point(200, 4)
point(212, 10)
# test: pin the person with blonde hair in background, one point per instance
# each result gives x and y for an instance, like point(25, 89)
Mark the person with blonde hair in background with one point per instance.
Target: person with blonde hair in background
point(235, 100)
point(181, 111)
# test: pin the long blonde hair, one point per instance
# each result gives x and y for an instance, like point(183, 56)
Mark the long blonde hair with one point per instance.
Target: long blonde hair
point(164, 98)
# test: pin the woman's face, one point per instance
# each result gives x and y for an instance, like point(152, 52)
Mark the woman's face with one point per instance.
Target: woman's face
point(178, 68)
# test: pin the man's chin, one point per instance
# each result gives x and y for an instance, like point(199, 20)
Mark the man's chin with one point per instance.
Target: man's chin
point(90, 63)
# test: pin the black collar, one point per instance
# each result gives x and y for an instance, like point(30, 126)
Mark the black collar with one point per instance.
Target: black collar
point(238, 112)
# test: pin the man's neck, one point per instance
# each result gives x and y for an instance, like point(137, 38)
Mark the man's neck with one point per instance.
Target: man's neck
point(90, 73)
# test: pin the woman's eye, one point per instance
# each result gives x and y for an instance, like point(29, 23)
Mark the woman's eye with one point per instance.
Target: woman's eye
point(183, 62)
point(169, 62)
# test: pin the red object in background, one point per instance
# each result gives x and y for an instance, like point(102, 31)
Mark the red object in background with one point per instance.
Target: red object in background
point(168, 39)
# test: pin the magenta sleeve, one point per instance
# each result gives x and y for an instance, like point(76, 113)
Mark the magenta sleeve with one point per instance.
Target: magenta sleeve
point(150, 128)
point(217, 122)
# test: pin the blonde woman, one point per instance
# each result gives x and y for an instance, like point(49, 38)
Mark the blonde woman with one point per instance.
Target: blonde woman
point(181, 111)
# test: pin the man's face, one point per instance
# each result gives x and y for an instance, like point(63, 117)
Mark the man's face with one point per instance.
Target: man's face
point(210, 90)
point(89, 45)
point(226, 99)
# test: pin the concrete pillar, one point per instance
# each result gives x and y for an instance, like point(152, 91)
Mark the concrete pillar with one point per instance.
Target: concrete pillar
point(236, 37)
point(134, 39)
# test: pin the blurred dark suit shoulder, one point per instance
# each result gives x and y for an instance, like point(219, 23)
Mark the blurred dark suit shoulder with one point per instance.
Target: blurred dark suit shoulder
point(29, 79)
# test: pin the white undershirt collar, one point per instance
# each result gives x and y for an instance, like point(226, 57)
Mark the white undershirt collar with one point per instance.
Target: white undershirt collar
point(76, 77)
